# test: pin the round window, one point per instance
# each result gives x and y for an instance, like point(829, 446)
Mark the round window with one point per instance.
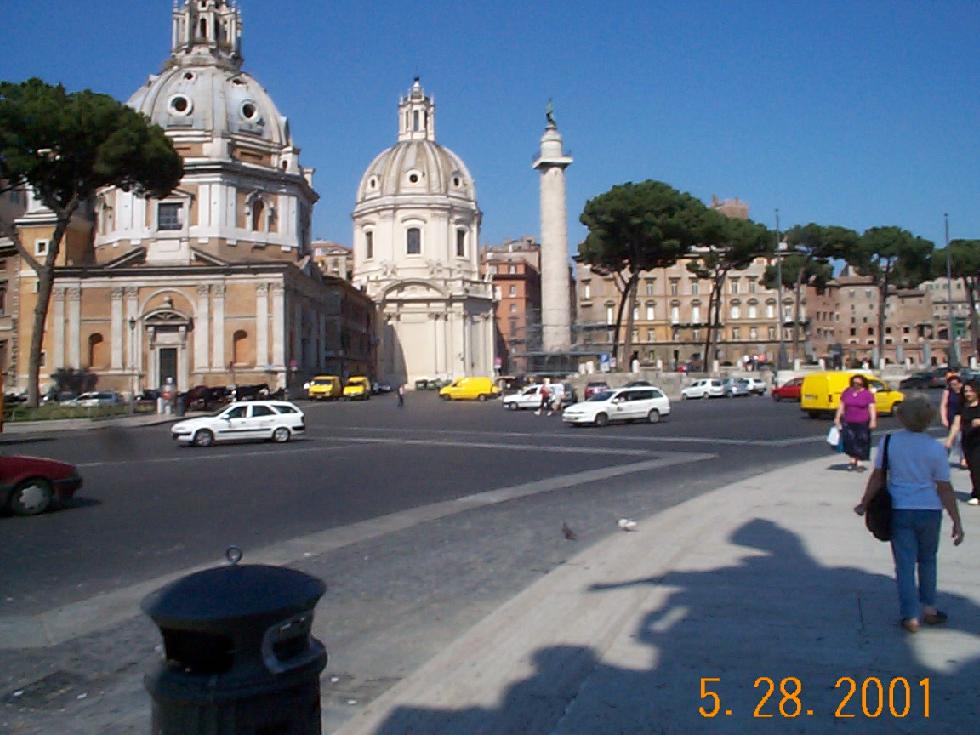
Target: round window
point(189, 76)
point(179, 105)
point(248, 110)
point(414, 178)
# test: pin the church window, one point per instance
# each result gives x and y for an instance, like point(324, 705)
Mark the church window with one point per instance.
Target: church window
point(415, 120)
point(168, 216)
point(609, 314)
point(3, 298)
point(368, 245)
point(456, 181)
point(512, 291)
point(414, 178)
point(204, 28)
point(413, 241)
point(258, 210)
point(40, 248)
point(650, 314)
point(179, 105)
point(189, 76)
point(460, 243)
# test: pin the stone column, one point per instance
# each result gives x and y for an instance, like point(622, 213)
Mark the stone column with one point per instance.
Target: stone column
point(58, 319)
point(74, 327)
point(116, 328)
point(278, 325)
point(202, 324)
point(262, 325)
point(218, 327)
point(556, 304)
point(133, 312)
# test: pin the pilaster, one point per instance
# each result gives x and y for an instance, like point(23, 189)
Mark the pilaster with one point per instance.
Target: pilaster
point(202, 323)
point(262, 325)
point(218, 327)
point(278, 325)
point(116, 328)
point(58, 317)
point(74, 327)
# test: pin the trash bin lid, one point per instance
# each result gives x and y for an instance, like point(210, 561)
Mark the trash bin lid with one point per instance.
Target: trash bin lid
point(239, 591)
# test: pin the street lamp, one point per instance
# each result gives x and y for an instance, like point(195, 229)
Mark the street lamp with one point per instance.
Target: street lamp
point(132, 365)
point(779, 298)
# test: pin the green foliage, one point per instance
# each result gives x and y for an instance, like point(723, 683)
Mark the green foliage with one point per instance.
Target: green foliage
point(727, 245)
point(797, 266)
point(66, 146)
point(964, 260)
point(638, 227)
point(892, 255)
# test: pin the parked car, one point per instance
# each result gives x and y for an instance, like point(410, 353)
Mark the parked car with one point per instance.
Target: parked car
point(430, 383)
point(622, 404)
point(379, 388)
point(324, 387)
point(253, 392)
point(148, 396)
point(471, 388)
point(278, 421)
point(30, 485)
point(704, 388)
point(757, 386)
point(736, 387)
point(98, 398)
point(358, 388)
point(593, 387)
point(788, 391)
point(639, 384)
point(530, 397)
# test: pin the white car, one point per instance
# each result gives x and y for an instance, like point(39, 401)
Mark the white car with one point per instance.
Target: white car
point(623, 404)
point(530, 397)
point(98, 398)
point(278, 421)
point(704, 388)
point(757, 386)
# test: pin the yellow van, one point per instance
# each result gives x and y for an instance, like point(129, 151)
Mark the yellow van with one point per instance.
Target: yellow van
point(820, 393)
point(324, 387)
point(470, 389)
point(358, 388)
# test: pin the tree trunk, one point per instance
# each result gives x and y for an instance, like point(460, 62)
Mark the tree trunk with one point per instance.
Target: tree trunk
point(797, 287)
point(623, 297)
point(970, 285)
point(714, 309)
point(882, 302)
point(630, 301)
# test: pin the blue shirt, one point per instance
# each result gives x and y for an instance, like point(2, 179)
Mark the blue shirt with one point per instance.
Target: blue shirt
point(916, 462)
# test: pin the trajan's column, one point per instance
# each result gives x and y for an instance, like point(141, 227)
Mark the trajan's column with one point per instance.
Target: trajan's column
point(556, 304)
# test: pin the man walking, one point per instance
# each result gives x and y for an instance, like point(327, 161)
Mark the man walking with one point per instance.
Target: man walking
point(401, 395)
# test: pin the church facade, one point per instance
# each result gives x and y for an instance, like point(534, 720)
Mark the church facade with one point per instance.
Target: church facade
point(215, 284)
point(416, 254)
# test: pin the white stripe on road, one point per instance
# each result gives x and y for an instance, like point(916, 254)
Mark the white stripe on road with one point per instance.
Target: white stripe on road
point(61, 624)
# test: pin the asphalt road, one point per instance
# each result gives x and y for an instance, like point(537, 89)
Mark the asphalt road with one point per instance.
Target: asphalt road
point(421, 520)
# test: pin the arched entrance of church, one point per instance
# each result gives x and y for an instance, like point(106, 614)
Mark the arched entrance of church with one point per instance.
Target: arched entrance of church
point(166, 333)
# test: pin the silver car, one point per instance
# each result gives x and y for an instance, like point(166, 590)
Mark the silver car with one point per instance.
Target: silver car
point(736, 387)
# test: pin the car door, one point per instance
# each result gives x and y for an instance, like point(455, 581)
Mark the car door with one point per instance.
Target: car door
point(619, 406)
point(232, 424)
point(640, 403)
point(261, 420)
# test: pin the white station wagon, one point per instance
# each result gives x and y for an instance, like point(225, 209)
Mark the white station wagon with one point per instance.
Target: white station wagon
point(278, 421)
point(642, 403)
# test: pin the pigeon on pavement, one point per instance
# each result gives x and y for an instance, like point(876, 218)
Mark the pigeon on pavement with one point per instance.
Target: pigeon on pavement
point(568, 533)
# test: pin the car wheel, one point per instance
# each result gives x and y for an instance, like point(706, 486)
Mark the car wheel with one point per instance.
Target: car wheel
point(684, 396)
point(654, 416)
point(482, 398)
point(445, 398)
point(280, 435)
point(601, 419)
point(31, 497)
point(510, 406)
point(203, 438)
point(895, 406)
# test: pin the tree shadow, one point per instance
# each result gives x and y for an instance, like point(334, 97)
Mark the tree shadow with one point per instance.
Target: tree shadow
point(777, 612)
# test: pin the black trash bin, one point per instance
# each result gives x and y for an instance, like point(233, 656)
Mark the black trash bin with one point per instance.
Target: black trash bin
point(180, 406)
point(239, 658)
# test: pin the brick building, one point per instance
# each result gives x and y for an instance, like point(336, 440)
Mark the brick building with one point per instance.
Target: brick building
point(514, 269)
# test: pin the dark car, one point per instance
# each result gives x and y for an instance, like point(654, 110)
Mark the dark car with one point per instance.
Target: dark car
point(916, 381)
point(788, 391)
point(30, 485)
point(594, 387)
point(639, 384)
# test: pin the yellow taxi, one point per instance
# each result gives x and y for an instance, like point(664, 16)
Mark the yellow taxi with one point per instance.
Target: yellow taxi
point(820, 392)
point(473, 388)
point(324, 387)
point(358, 388)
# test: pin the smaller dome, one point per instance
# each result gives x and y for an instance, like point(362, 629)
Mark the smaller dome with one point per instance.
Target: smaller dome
point(416, 167)
point(218, 100)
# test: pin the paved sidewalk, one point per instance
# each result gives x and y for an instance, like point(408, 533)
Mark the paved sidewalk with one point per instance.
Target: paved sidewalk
point(60, 425)
point(771, 577)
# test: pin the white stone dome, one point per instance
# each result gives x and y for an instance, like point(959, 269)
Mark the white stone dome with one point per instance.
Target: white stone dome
point(417, 168)
point(215, 99)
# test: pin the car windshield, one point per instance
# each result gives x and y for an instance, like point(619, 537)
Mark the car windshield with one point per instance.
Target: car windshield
point(530, 390)
point(603, 395)
point(322, 381)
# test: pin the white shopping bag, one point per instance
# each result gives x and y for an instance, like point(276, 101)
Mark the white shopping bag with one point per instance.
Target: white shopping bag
point(833, 437)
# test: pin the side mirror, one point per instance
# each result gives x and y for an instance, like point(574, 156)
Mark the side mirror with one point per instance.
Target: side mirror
point(617, 399)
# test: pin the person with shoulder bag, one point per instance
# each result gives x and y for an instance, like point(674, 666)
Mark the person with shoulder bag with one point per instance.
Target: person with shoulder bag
point(919, 487)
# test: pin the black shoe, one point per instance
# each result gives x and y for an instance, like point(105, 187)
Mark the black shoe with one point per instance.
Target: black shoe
point(936, 618)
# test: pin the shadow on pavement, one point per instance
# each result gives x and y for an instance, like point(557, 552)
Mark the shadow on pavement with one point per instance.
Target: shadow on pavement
point(13, 441)
point(777, 613)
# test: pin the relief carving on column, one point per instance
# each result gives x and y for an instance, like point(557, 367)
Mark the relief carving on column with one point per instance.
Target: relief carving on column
point(262, 289)
point(132, 292)
point(202, 291)
point(219, 290)
point(117, 293)
point(59, 294)
point(74, 293)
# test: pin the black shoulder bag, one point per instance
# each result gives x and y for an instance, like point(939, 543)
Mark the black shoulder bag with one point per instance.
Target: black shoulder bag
point(878, 514)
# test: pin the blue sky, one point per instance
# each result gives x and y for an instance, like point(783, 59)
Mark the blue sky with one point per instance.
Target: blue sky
point(852, 113)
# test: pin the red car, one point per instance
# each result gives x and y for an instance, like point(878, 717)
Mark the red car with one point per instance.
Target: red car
point(594, 387)
point(788, 391)
point(29, 485)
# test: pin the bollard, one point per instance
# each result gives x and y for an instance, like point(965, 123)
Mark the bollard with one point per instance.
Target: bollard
point(239, 658)
point(180, 405)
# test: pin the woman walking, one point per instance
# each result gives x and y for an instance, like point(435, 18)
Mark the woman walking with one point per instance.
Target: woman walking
point(855, 418)
point(967, 425)
point(949, 408)
point(918, 482)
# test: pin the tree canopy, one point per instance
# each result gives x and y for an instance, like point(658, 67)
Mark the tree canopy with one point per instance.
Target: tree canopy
point(964, 263)
point(635, 227)
point(66, 146)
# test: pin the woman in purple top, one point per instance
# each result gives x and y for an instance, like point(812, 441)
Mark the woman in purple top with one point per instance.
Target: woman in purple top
point(855, 418)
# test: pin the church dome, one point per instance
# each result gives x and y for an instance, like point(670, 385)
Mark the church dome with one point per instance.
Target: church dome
point(416, 165)
point(202, 87)
point(212, 99)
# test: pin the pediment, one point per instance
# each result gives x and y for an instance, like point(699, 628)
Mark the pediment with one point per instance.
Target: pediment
point(413, 291)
